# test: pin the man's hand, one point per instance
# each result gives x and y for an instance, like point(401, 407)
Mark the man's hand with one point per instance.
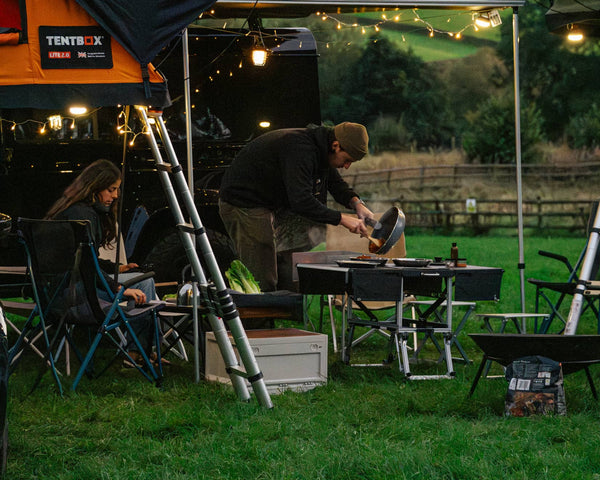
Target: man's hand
point(355, 225)
point(363, 212)
point(361, 209)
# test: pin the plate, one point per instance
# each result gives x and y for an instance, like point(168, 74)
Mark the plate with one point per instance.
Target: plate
point(412, 262)
point(355, 264)
point(376, 260)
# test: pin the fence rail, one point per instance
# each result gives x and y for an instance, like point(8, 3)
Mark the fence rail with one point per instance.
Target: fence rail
point(539, 214)
point(484, 215)
point(435, 175)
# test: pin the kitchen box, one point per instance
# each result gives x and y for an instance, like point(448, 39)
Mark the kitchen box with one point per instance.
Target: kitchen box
point(289, 358)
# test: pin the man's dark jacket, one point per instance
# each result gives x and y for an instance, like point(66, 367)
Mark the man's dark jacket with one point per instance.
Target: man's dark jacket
point(287, 169)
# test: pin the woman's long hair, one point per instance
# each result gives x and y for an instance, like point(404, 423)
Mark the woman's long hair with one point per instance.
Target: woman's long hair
point(92, 180)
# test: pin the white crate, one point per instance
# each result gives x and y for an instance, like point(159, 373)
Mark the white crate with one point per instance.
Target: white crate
point(289, 358)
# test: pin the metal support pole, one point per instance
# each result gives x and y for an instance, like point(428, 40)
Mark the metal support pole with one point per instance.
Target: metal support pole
point(521, 264)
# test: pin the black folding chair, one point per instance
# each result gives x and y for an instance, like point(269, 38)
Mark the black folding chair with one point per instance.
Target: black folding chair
point(553, 293)
point(70, 289)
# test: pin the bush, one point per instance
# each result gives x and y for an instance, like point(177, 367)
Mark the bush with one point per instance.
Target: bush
point(491, 134)
point(584, 131)
point(388, 133)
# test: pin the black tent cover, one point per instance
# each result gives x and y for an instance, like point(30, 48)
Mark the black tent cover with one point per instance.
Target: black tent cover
point(144, 27)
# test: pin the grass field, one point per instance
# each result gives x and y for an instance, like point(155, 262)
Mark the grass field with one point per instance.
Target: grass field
point(366, 423)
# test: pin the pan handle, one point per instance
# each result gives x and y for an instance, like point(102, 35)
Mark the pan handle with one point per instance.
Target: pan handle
point(371, 222)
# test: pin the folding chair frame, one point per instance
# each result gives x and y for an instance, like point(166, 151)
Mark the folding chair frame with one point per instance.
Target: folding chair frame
point(106, 317)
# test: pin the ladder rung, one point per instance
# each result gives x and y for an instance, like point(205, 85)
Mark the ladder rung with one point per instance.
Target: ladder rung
point(164, 167)
point(237, 371)
point(186, 227)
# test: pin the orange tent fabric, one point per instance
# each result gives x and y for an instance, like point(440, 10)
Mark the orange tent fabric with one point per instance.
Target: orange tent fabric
point(46, 71)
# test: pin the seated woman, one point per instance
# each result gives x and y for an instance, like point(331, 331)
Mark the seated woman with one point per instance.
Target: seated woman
point(93, 196)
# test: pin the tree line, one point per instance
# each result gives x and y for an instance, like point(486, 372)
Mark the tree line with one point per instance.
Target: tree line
point(468, 103)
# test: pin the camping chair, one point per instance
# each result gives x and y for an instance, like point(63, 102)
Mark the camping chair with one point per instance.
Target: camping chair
point(70, 290)
point(554, 293)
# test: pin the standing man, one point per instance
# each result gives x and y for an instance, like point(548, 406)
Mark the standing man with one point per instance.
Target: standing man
point(289, 170)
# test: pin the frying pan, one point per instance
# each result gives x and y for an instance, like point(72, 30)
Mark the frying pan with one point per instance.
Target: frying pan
point(389, 228)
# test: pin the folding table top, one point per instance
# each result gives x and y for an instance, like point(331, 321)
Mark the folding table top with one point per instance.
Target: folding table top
point(386, 282)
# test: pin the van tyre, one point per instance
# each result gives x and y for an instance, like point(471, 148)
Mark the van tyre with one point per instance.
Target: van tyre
point(168, 255)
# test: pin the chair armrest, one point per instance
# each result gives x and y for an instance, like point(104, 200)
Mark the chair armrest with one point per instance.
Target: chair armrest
point(555, 256)
point(136, 279)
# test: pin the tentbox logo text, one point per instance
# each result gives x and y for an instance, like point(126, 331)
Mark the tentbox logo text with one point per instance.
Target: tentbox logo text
point(75, 47)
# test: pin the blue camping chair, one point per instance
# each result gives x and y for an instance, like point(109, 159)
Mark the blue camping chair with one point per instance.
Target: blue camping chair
point(70, 289)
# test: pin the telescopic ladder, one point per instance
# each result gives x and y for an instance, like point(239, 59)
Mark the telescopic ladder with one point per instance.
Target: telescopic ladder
point(213, 292)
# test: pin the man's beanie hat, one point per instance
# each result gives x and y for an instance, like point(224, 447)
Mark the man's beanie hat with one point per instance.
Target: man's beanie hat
point(353, 139)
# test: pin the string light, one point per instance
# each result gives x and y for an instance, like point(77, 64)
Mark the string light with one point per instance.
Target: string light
point(339, 24)
point(492, 15)
point(376, 27)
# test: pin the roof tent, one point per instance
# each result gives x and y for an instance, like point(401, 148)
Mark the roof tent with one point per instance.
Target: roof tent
point(55, 54)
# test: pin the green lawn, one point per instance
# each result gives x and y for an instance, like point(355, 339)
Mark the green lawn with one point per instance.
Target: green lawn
point(367, 423)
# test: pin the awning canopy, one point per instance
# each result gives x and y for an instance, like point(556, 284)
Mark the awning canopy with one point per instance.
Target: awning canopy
point(297, 8)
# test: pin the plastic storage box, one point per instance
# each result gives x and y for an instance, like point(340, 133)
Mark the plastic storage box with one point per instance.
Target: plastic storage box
point(289, 358)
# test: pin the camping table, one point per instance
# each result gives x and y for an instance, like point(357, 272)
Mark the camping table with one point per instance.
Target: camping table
point(392, 283)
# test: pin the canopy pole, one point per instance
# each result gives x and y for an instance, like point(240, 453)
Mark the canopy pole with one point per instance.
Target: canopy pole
point(521, 264)
point(120, 205)
point(188, 111)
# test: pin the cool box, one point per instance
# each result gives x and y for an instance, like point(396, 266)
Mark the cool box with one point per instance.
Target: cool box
point(289, 358)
